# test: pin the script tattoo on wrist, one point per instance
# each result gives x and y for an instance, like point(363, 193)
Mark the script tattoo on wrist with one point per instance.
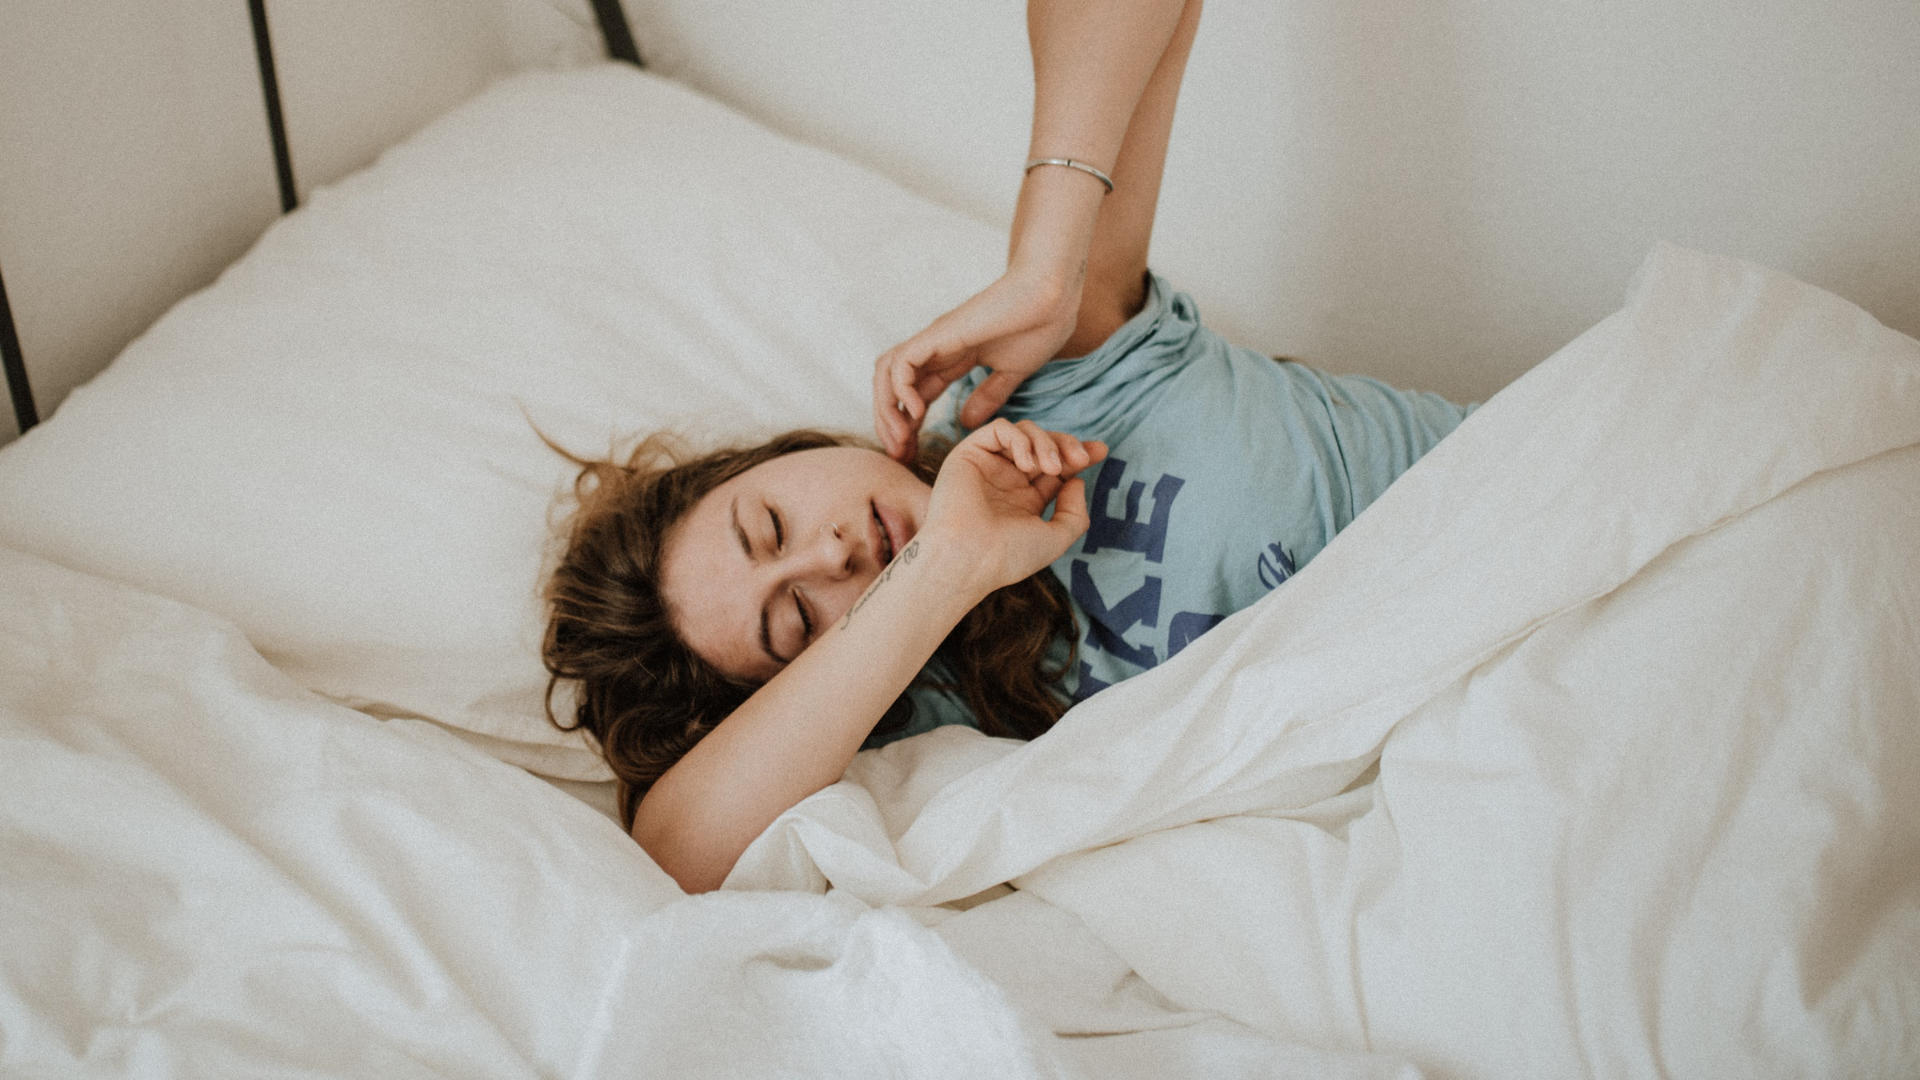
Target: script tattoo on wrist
point(907, 555)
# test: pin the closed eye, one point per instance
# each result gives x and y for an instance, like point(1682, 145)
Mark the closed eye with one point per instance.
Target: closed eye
point(806, 620)
point(779, 534)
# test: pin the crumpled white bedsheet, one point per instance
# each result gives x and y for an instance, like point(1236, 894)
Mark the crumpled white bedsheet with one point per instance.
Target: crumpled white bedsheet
point(206, 871)
point(1592, 748)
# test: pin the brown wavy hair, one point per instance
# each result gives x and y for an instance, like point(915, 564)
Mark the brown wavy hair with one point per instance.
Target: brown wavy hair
point(647, 697)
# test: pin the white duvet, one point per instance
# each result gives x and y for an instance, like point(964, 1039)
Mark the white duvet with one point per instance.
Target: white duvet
point(1593, 748)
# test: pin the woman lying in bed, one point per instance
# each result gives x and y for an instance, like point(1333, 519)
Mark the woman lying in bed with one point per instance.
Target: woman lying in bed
point(741, 624)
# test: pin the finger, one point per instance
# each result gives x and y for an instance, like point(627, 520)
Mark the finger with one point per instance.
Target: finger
point(1046, 452)
point(930, 385)
point(881, 428)
point(909, 435)
point(903, 376)
point(896, 429)
point(886, 428)
point(1070, 509)
point(901, 366)
point(903, 389)
point(1020, 446)
point(1008, 442)
point(887, 422)
point(1072, 457)
point(950, 365)
point(987, 398)
point(937, 375)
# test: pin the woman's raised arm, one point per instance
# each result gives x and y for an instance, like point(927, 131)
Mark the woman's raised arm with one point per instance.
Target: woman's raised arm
point(1106, 78)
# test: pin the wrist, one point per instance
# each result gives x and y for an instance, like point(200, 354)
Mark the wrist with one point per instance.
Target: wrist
point(1071, 163)
point(1054, 222)
point(955, 570)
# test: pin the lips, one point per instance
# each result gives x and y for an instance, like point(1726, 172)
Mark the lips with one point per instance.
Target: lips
point(882, 543)
point(890, 533)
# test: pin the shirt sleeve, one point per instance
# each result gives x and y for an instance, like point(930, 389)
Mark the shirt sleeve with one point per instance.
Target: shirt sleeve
point(1102, 394)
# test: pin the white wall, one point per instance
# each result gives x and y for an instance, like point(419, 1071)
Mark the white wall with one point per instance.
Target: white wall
point(135, 160)
point(134, 164)
point(357, 76)
point(1439, 193)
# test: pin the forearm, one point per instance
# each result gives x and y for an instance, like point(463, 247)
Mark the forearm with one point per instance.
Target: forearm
point(1092, 60)
point(1106, 77)
point(797, 734)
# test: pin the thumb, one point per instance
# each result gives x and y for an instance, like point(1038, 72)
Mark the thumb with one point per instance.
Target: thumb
point(1070, 510)
point(987, 398)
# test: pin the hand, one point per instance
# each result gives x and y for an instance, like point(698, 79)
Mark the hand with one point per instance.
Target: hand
point(992, 489)
point(1013, 327)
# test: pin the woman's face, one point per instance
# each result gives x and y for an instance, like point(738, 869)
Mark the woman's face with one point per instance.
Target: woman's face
point(766, 562)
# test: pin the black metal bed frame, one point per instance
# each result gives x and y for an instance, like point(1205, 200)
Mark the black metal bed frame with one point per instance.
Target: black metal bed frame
point(614, 31)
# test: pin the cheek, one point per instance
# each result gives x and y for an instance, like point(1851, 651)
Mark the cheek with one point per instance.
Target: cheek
point(699, 595)
point(909, 490)
point(835, 604)
point(705, 626)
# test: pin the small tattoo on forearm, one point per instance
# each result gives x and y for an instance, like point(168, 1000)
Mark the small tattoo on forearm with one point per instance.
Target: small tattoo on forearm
point(907, 555)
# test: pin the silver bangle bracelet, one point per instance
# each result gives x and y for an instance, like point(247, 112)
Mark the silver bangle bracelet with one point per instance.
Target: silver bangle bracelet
point(1072, 164)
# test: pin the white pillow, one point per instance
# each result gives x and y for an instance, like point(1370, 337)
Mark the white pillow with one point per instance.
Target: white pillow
point(327, 445)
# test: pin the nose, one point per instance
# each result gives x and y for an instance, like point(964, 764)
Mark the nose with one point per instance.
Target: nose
point(831, 554)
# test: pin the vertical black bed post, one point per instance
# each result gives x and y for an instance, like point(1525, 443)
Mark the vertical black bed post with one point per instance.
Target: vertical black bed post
point(17, 386)
point(615, 31)
point(270, 90)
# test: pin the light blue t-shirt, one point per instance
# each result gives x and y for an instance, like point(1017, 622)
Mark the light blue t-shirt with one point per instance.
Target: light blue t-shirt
point(1226, 472)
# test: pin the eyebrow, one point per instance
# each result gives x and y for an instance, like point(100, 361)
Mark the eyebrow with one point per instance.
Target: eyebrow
point(746, 547)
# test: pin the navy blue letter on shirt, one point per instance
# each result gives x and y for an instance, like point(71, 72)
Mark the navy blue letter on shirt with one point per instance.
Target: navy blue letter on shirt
point(1106, 626)
point(1129, 533)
